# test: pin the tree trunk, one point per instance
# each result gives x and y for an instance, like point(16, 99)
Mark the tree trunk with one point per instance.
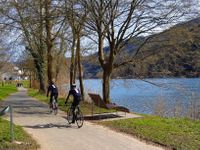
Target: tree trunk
point(30, 80)
point(42, 83)
point(49, 64)
point(39, 65)
point(49, 42)
point(80, 68)
point(40, 74)
point(72, 62)
point(106, 85)
point(75, 67)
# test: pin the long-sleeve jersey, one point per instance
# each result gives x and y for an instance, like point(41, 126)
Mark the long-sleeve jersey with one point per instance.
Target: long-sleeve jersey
point(75, 93)
point(52, 89)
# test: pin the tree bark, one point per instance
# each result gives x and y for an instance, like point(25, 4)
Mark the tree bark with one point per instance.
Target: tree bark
point(49, 42)
point(75, 66)
point(40, 74)
point(80, 68)
point(30, 79)
point(106, 86)
point(39, 65)
point(72, 65)
point(42, 82)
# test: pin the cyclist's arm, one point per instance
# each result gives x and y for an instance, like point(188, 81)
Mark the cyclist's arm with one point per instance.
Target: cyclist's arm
point(67, 97)
point(48, 90)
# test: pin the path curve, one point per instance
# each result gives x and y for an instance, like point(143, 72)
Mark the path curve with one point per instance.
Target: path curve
point(53, 133)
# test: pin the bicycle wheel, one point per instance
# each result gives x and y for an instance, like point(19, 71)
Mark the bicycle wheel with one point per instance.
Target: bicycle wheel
point(79, 118)
point(69, 115)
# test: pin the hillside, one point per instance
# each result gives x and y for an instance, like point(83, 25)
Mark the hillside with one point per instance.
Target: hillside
point(175, 53)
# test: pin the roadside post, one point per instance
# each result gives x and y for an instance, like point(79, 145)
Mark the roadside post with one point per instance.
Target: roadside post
point(11, 124)
point(92, 109)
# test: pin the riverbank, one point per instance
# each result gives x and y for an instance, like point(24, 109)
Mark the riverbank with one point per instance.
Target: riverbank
point(85, 107)
point(174, 133)
point(172, 97)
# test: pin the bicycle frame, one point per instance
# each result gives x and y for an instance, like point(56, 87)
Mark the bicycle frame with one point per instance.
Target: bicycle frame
point(78, 116)
point(54, 105)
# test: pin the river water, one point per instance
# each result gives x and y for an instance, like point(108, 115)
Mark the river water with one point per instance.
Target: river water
point(143, 96)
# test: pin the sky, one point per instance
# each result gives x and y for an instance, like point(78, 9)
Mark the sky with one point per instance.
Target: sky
point(91, 48)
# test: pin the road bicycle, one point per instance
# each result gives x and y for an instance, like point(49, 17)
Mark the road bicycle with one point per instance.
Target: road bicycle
point(79, 119)
point(54, 106)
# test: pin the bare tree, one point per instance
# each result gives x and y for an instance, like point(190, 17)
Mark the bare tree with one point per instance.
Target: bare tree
point(21, 18)
point(37, 24)
point(55, 23)
point(115, 22)
point(61, 47)
point(76, 18)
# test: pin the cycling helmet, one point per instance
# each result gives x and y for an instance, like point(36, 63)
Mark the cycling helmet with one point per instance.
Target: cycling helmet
point(73, 85)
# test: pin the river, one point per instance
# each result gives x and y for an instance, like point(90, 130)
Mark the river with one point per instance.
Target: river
point(143, 96)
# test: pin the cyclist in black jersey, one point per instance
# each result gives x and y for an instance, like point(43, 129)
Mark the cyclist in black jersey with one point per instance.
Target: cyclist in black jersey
point(53, 90)
point(76, 99)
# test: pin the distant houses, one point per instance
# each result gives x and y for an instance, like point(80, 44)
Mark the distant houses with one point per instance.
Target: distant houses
point(10, 72)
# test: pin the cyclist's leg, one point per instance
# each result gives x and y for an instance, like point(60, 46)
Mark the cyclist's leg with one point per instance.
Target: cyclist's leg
point(74, 104)
point(50, 101)
point(73, 112)
point(56, 97)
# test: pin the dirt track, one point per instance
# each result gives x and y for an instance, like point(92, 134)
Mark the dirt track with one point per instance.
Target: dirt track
point(53, 132)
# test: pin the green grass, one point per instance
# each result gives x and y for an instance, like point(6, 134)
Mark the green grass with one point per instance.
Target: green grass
point(26, 142)
point(180, 134)
point(19, 134)
point(6, 90)
point(86, 108)
point(26, 83)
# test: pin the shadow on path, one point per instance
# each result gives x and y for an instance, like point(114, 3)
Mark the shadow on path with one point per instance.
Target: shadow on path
point(50, 125)
point(33, 113)
point(26, 103)
point(101, 117)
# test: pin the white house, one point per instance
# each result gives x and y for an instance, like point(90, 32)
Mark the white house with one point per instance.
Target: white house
point(10, 72)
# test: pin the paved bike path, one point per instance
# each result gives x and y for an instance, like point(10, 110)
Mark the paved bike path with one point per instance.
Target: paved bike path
point(53, 133)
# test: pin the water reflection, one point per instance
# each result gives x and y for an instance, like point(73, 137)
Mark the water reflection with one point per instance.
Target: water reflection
point(143, 96)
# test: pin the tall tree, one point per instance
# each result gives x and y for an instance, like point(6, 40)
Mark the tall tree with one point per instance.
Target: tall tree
point(23, 19)
point(115, 22)
point(76, 18)
point(37, 24)
point(49, 41)
point(54, 22)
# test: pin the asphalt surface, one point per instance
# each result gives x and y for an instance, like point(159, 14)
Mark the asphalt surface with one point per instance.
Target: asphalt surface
point(53, 132)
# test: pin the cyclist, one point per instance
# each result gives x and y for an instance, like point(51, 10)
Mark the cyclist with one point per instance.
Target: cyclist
point(76, 99)
point(54, 92)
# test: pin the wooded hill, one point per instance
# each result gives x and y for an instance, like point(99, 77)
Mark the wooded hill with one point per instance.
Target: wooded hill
point(172, 53)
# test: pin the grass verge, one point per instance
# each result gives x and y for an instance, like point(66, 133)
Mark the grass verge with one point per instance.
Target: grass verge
point(6, 90)
point(179, 134)
point(85, 107)
point(25, 142)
